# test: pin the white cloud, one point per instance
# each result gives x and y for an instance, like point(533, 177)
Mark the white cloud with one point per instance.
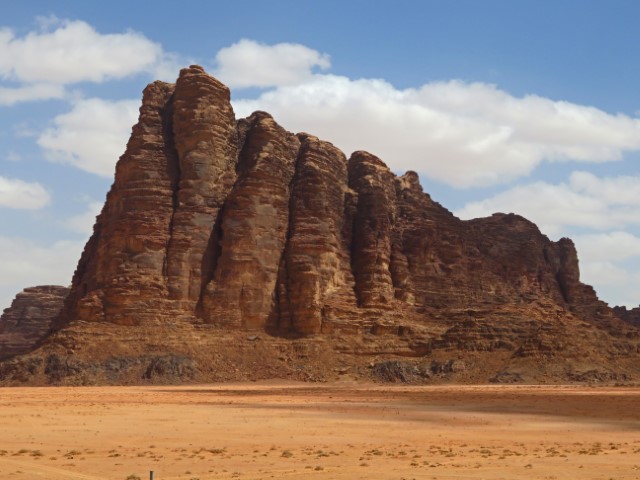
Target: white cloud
point(38, 65)
point(92, 136)
point(616, 284)
point(83, 222)
point(586, 201)
point(621, 190)
point(611, 263)
point(15, 193)
point(458, 133)
point(41, 91)
point(70, 51)
point(609, 246)
point(604, 273)
point(251, 64)
point(25, 263)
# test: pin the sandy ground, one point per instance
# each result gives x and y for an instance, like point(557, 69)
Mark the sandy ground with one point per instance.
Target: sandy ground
point(339, 431)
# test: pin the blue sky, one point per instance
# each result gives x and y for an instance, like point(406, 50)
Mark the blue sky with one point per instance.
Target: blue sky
point(528, 106)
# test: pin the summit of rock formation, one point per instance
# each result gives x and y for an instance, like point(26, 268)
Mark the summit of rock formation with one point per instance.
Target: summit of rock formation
point(230, 249)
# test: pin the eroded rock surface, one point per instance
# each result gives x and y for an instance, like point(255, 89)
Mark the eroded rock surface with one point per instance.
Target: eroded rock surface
point(240, 225)
point(631, 316)
point(29, 318)
point(243, 225)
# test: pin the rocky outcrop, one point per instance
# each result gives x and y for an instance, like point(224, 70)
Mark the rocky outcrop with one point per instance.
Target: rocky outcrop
point(28, 319)
point(631, 316)
point(217, 226)
point(122, 274)
point(243, 225)
point(206, 144)
point(372, 234)
point(253, 228)
point(315, 272)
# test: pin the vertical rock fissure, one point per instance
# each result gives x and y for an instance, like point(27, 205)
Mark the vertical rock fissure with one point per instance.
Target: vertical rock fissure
point(213, 251)
point(210, 258)
point(318, 273)
point(282, 305)
point(254, 224)
point(206, 137)
point(173, 171)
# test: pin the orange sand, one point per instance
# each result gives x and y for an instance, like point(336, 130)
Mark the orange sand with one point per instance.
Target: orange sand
point(339, 431)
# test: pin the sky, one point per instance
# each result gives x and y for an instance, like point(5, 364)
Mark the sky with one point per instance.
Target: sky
point(531, 107)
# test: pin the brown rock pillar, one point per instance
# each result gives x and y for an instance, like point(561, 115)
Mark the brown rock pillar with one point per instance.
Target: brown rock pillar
point(313, 265)
point(120, 274)
point(374, 183)
point(253, 228)
point(206, 141)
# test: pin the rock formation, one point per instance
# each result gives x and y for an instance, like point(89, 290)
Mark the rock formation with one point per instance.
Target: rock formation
point(631, 316)
point(247, 226)
point(239, 225)
point(28, 319)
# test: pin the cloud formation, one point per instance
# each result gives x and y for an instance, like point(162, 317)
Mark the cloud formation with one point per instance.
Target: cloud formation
point(462, 134)
point(585, 201)
point(26, 263)
point(91, 136)
point(612, 265)
point(15, 193)
point(38, 65)
point(41, 91)
point(74, 52)
point(608, 247)
point(248, 63)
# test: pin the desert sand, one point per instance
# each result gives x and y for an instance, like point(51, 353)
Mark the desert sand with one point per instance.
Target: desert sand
point(331, 431)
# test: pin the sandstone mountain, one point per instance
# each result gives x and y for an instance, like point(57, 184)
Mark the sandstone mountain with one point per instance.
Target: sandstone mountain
point(234, 249)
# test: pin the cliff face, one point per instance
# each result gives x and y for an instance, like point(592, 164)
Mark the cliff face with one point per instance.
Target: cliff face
point(244, 225)
point(28, 319)
point(631, 316)
point(221, 225)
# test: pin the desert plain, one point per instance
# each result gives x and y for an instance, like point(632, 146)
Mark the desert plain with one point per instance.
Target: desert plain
point(319, 431)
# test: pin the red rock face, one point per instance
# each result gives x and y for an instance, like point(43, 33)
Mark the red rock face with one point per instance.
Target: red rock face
point(121, 277)
point(631, 316)
point(243, 225)
point(29, 318)
point(315, 268)
point(253, 228)
point(206, 143)
point(373, 226)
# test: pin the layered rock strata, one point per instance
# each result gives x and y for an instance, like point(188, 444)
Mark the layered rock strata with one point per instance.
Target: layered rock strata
point(28, 319)
point(243, 225)
point(233, 250)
